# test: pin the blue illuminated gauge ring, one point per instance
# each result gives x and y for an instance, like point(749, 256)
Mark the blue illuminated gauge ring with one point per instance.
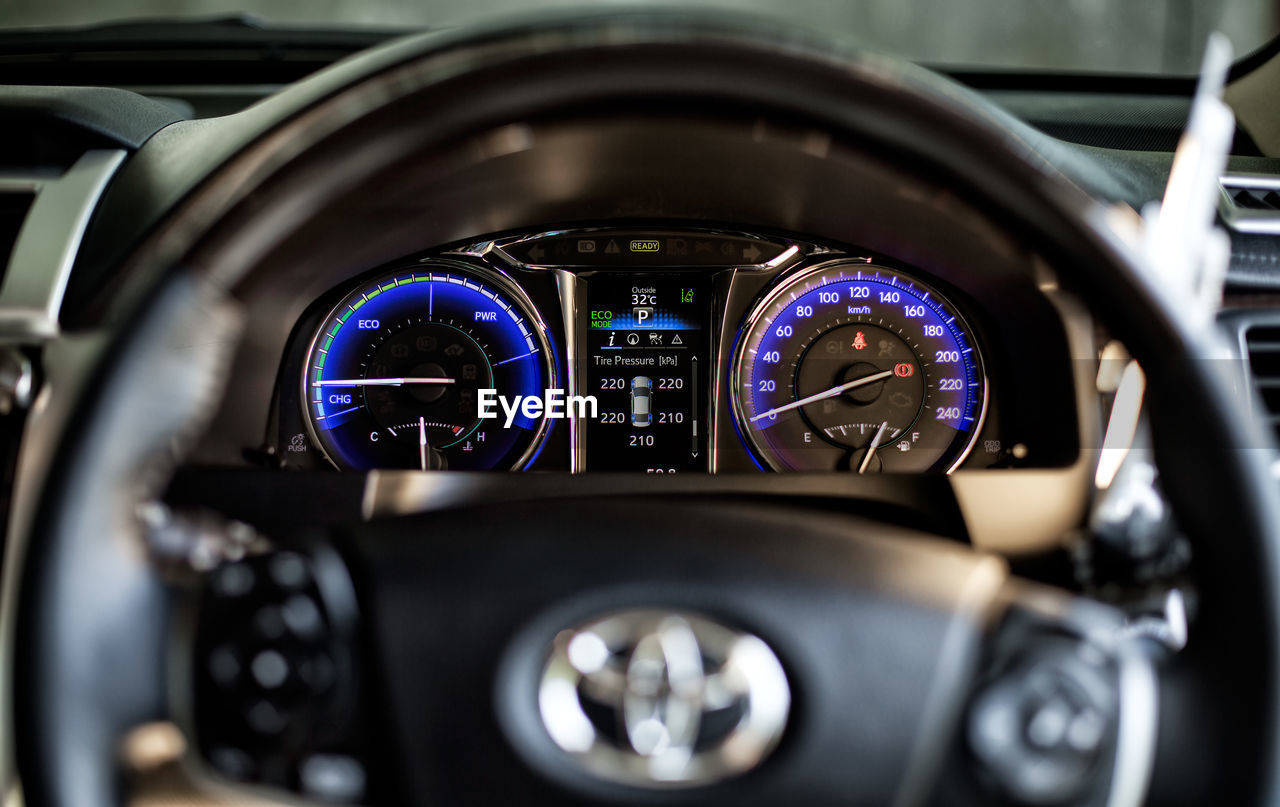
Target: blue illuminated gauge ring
point(850, 366)
point(394, 372)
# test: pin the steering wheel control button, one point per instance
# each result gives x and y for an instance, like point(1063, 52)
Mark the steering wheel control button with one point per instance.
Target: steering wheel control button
point(317, 673)
point(265, 718)
point(270, 669)
point(275, 692)
point(302, 617)
point(289, 571)
point(232, 763)
point(224, 667)
point(662, 699)
point(233, 580)
point(1042, 727)
point(332, 777)
point(269, 623)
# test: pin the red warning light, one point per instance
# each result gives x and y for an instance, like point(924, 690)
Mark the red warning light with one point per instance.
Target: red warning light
point(859, 341)
point(903, 369)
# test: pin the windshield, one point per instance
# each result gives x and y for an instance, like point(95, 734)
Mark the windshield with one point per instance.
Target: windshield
point(1108, 36)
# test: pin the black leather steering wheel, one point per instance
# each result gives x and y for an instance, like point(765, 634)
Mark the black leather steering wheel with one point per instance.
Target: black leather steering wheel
point(885, 635)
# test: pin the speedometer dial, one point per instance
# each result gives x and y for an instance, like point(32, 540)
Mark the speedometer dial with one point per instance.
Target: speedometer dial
point(860, 368)
point(396, 373)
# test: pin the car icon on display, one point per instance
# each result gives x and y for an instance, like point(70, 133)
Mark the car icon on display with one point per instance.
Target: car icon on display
point(641, 393)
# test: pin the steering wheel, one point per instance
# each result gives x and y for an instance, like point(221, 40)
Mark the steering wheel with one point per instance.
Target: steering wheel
point(848, 660)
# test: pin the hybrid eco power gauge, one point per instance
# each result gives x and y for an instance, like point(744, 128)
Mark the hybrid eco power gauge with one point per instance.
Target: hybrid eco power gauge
point(855, 367)
point(394, 374)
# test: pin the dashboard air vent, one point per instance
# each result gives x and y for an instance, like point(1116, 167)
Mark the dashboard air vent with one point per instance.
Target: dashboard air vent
point(1250, 203)
point(1262, 344)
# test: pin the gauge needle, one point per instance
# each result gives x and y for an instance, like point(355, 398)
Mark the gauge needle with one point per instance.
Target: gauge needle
point(378, 382)
point(828, 393)
point(422, 441)
point(871, 449)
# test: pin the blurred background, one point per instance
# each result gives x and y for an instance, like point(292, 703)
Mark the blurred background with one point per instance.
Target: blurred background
point(1131, 36)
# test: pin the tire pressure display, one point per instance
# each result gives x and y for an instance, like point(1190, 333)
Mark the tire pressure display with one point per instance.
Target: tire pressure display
point(647, 367)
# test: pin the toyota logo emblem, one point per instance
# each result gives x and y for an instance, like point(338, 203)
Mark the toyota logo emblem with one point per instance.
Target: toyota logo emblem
point(661, 699)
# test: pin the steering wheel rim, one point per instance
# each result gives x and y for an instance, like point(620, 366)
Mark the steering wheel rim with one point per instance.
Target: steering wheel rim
point(65, 710)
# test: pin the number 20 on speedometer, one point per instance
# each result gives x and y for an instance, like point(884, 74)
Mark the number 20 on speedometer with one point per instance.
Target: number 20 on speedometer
point(859, 368)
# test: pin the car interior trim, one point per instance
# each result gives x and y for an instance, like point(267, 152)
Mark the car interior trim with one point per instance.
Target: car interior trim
point(1244, 219)
point(45, 252)
point(569, 287)
point(164, 445)
point(1137, 730)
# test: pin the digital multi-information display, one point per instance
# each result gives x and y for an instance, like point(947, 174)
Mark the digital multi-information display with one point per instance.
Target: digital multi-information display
point(647, 366)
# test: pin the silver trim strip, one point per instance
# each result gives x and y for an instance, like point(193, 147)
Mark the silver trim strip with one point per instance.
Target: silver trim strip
point(785, 257)
point(67, 365)
point(1136, 733)
point(1242, 219)
point(567, 285)
point(252, 91)
point(43, 256)
point(984, 581)
point(1238, 325)
point(10, 184)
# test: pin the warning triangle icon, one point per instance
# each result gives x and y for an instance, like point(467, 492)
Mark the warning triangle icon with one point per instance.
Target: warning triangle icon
point(675, 340)
point(612, 247)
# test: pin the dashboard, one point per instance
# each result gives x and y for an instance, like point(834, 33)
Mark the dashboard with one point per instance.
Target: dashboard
point(672, 350)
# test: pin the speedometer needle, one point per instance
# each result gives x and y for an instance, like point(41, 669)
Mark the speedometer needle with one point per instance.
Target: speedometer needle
point(379, 382)
point(827, 393)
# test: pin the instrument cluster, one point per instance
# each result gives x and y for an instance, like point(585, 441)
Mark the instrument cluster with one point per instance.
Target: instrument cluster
point(668, 351)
